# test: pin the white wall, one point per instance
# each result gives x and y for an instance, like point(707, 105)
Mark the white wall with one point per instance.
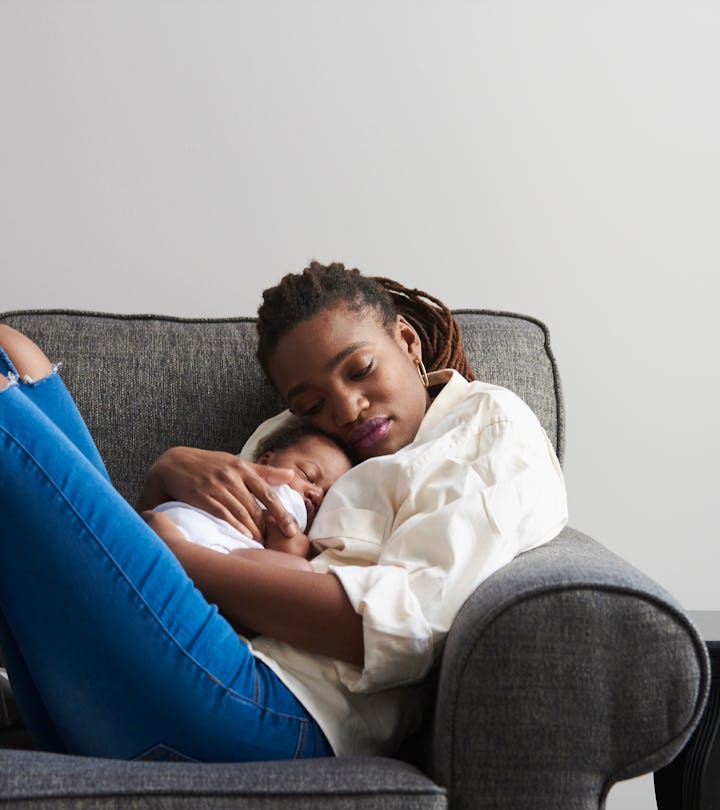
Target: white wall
point(555, 158)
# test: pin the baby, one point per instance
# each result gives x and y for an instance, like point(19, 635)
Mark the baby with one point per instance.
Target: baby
point(317, 461)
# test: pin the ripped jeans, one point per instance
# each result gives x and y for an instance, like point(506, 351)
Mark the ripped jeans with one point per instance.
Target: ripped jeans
point(110, 649)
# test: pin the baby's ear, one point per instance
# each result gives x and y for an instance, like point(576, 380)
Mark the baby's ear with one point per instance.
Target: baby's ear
point(264, 458)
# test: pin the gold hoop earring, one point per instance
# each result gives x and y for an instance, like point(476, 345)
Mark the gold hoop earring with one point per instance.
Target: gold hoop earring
point(422, 373)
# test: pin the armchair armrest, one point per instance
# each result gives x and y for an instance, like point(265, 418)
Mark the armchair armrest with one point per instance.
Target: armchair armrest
point(565, 672)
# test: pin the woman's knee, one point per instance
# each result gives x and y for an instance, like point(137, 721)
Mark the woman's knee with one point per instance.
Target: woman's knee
point(28, 358)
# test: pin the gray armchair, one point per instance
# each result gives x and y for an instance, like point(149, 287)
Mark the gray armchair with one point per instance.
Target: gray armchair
point(566, 671)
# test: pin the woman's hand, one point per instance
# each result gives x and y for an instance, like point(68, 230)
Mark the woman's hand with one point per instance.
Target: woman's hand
point(221, 484)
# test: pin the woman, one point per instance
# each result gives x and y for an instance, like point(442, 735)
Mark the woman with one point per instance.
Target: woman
point(111, 649)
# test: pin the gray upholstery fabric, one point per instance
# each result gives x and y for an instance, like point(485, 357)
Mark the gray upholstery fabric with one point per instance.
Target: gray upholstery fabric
point(48, 780)
point(555, 667)
point(565, 671)
point(144, 383)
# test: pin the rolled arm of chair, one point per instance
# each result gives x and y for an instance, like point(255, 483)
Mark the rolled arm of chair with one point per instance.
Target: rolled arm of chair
point(565, 672)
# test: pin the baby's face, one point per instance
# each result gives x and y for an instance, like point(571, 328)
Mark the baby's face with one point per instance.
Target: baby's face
point(317, 462)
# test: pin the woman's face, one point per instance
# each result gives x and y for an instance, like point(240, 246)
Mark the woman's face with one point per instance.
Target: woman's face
point(346, 373)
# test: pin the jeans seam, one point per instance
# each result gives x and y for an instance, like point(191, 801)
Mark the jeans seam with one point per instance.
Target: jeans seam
point(302, 738)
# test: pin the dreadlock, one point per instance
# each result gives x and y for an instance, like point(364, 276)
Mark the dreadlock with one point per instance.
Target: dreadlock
point(438, 330)
point(300, 296)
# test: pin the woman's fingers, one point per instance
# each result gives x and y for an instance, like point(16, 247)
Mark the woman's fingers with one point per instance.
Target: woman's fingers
point(221, 484)
point(269, 477)
point(245, 484)
point(225, 489)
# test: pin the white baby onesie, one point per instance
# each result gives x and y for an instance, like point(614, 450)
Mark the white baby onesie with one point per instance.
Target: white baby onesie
point(199, 526)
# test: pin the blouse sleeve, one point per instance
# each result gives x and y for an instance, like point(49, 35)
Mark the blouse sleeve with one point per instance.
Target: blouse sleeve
point(463, 509)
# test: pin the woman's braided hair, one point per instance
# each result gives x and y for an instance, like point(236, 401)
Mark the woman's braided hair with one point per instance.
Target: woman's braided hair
point(300, 296)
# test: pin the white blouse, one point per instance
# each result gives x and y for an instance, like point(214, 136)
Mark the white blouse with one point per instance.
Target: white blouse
point(410, 536)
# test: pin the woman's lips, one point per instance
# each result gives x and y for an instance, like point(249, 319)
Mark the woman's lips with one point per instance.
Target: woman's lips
point(369, 433)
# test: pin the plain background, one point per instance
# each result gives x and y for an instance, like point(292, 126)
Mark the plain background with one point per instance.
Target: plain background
point(555, 158)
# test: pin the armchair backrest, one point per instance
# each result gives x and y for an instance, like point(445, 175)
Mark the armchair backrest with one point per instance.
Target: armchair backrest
point(145, 383)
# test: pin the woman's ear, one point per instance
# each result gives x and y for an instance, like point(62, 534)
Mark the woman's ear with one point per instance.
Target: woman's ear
point(408, 338)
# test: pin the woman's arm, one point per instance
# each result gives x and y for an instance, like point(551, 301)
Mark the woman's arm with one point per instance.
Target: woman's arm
point(221, 484)
point(308, 610)
point(267, 556)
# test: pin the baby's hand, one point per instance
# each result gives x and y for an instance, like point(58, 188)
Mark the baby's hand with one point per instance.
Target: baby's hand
point(276, 540)
point(163, 526)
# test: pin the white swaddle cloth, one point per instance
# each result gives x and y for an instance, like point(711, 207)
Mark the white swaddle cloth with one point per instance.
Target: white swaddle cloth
point(204, 529)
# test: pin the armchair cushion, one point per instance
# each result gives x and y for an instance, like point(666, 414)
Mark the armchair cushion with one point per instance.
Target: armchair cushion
point(40, 780)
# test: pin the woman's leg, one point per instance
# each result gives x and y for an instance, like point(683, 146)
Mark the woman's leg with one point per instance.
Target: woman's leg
point(27, 698)
point(34, 713)
point(27, 357)
point(21, 359)
point(127, 655)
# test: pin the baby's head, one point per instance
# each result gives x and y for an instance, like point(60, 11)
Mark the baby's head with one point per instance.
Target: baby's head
point(317, 460)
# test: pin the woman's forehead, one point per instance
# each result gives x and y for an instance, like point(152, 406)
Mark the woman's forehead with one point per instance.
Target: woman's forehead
point(333, 332)
point(342, 317)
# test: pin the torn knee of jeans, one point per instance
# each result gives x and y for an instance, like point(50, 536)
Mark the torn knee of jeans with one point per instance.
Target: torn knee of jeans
point(7, 380)
point(28, 380)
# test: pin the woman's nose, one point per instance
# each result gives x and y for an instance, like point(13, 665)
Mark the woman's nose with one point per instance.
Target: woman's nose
point(347, 406)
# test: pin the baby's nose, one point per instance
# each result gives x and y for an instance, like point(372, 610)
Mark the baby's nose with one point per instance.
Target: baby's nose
point(315, 493)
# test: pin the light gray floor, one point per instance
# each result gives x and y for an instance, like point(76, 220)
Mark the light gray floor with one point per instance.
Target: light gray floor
point(634, 794)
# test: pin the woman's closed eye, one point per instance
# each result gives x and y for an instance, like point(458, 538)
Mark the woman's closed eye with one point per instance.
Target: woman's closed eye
point(314, 407)
point(307, 411)
point(364, 371)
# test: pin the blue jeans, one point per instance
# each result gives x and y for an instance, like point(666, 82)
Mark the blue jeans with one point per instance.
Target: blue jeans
point(110, 648)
